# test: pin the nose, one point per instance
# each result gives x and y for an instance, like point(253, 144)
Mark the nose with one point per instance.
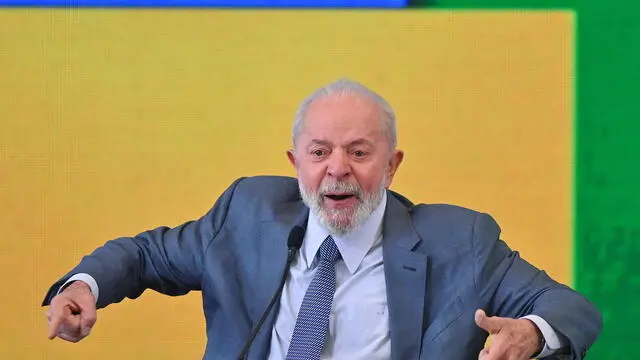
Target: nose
point(339, 166)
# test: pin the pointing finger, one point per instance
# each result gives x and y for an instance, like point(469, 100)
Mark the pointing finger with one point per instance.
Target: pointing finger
point(56, 316)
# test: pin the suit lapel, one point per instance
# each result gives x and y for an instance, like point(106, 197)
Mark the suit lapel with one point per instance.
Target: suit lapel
point(272, 257)
point(405, 275)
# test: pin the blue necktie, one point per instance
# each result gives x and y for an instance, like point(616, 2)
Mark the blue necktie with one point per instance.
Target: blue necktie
point(312, 323)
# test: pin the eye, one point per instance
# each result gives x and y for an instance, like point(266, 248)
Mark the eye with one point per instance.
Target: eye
point(359, 153)
point(318, 153)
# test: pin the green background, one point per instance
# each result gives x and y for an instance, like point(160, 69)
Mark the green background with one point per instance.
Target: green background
point(607, 168)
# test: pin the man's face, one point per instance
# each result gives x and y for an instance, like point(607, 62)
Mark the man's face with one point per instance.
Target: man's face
point(343, 160)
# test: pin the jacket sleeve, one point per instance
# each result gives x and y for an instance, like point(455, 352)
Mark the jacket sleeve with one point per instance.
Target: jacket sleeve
point(512, 287)
point(167, 260)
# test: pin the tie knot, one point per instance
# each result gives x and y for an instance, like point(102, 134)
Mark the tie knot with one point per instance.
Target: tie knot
point(329, 251)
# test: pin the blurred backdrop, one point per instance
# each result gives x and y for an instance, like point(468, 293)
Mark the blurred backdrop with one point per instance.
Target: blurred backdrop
point(115, 121)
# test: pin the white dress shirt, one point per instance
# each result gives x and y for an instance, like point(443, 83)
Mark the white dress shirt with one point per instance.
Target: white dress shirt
point(359, 321)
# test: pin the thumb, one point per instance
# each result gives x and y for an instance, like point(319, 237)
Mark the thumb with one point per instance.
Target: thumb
point(491, 324)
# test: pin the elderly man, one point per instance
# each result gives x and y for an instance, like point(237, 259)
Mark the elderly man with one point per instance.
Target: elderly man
point(376, 276)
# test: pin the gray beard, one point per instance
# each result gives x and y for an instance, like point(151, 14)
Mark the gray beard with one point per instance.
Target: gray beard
point(342, 221)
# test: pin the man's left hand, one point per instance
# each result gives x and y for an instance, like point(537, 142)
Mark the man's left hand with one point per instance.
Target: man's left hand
point(511, 339)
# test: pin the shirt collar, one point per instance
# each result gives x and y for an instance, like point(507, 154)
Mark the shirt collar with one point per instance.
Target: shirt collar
point(353, 247)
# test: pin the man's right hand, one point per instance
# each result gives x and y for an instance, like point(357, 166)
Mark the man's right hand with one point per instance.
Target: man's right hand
point(72, 313)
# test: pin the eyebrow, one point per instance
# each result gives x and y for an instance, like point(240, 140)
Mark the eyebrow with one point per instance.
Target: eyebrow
point(352, 143)
point(360, 142)
point(320, 142)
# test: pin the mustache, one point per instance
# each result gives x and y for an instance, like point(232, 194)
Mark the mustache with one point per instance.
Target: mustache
point(340, 187)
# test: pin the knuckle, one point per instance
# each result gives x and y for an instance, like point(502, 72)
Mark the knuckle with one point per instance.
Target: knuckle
point(69, 338)
point(90, 321)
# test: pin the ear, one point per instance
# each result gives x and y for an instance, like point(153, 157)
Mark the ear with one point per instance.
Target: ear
point(394, 164)
point(292, 158)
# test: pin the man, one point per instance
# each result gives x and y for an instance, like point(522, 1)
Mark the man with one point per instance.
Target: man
point(377, 277)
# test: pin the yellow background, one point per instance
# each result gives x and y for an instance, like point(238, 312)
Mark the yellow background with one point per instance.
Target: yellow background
point(114, 122)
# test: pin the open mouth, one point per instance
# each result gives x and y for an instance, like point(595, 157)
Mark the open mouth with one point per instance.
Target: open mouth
point(338, 197)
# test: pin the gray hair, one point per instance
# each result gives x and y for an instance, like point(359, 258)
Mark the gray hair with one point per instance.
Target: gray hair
point(348, 87)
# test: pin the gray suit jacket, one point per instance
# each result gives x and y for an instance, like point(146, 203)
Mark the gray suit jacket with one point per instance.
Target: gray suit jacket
point(441, 264)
